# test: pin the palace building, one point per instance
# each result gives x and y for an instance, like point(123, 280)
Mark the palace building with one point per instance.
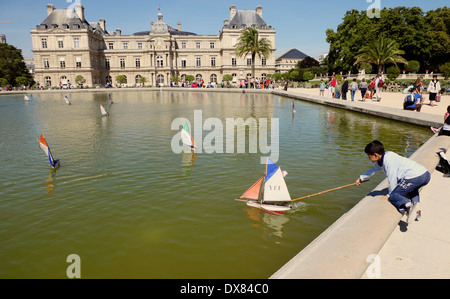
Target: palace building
point(66, 45)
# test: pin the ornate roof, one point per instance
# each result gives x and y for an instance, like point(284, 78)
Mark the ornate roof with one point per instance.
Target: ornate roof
point(68, 19)
point(160, 27)
point(247, 18)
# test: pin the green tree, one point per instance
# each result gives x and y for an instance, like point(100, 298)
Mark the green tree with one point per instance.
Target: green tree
point(227, 78)
point(189, 78)
point(250, 43)
point(80, 80)
point(413, 66)
point(121, 79)
point(393, 72)
point(143, 80)
point(22, 80)
point(308, 76)
point(380, 52)
point(424, 37)
point(3, 82)
point(308, 62)
point(445, 70)
point(12, 65)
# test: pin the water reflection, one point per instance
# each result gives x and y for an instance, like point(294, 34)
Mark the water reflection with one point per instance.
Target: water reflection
point(188, 162)
point(51, 181)
point(270, 223)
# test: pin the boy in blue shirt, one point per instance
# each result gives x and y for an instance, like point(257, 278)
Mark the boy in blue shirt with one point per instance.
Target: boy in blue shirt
point(405, 177)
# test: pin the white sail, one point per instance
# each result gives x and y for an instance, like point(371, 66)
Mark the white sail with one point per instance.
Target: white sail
point(275, 188)
point(67, 100)
point(103, 110)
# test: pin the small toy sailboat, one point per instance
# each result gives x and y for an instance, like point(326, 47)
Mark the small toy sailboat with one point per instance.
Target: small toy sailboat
point(293, 108)
point(26, 98)
point(110, 99)
point(67, 100)
point(54, 163)
point(103, 110)
point(186, 137)
point(269, 192)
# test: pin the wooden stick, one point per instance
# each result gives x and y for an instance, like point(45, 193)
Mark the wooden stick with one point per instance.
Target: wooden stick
point(311, 195)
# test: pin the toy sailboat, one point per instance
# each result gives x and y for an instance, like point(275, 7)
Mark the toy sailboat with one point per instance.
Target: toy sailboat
point(293, 108)
point(186, 137)
point(103, 110)
point(269, 192)
point(67, 100)
point(26, 98)
point(54, 163)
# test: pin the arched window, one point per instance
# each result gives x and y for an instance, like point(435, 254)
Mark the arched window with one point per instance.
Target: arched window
point(160, 79)
point(198, 77)
point(213, 78)
point(108, 79)
point(137, 78)
point(48, 81)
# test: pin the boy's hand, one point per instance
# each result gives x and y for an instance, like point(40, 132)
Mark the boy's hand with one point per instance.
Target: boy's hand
point(358, 182)
point(385, 197)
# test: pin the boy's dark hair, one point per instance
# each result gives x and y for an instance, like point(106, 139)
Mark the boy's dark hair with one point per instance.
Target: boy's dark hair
point(374, 147)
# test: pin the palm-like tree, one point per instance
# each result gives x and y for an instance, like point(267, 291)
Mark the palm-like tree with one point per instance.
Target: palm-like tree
point(380, 52)
point(249, 43)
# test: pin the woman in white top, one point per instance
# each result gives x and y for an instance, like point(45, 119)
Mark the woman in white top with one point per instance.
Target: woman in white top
point(434, 88)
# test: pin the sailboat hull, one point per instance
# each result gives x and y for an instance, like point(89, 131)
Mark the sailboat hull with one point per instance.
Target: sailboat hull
point(269, 207)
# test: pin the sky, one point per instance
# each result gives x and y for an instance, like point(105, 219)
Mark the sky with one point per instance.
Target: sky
point(299, 24)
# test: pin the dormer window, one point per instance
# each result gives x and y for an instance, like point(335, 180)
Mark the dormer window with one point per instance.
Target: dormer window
point(65, 26)
point(54, 25)
point(76, 26)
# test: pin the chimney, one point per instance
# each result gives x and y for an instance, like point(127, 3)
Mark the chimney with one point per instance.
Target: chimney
point(259, 11)
point(226, 22)
point(80, 11)
point(118, 32)
point(50, 9)
point(179, 26)
point(102, 23)
point(232, 11)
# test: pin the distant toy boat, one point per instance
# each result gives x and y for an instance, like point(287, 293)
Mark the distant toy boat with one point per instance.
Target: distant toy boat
point(103, 110)
point(110, 99)
point(67, 100)
point(186, 137)
point(293, 108)
point(269, 192)
point(54, 163)
point(26, 98)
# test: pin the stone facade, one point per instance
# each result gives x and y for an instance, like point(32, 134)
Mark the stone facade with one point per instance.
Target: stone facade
point(65, 46)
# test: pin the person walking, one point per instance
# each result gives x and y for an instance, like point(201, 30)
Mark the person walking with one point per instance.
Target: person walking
point(344, 89)
point(434, 88)
point(378, 87)
point(333, 84)
point(353, 89)
point(337, 90)
point(363, 88)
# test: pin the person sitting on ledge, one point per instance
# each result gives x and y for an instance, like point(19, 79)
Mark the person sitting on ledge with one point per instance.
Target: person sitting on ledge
point(445, 130)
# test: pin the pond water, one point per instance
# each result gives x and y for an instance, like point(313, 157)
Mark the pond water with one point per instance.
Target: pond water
point(130, 207)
